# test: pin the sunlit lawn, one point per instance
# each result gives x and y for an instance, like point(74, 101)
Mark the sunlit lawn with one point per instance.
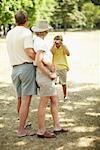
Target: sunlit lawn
point(81, 114)
point(84, 60)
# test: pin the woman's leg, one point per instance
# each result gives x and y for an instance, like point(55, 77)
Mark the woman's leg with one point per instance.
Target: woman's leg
point(54, 112)
point(41, 114)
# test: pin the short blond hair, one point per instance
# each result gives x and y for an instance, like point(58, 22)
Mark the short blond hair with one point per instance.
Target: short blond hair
point(58, 37)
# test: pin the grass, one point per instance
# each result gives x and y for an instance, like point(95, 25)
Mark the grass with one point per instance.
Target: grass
point(81, 114)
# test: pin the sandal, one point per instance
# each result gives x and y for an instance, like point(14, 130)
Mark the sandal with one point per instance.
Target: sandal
point(60, 131)
point(47, 135)
point(26, 134)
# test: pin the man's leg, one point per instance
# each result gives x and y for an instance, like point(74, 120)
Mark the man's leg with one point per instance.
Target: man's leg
point(28, 124)
point(18, 104)
point(23, 114)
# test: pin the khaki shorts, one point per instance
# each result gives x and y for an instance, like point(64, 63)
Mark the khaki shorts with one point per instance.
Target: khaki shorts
point(47, 86)
point(62, 75)
point(24, 79)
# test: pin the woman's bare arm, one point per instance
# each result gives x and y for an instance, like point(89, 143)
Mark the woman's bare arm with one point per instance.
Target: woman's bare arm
point(43, 68)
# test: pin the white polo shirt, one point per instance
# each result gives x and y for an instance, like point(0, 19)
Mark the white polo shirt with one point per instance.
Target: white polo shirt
point(18, 39)
point(40, 44)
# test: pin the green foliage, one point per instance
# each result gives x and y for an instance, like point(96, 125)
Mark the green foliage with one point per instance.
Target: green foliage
point(96, 2)
point(5, 14)
point(9, 7)
point(67, 14)
point(43, 9)
point(92, 14)
point(60, 13)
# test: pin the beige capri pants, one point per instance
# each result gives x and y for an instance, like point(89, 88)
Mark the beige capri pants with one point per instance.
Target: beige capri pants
point(46, 85)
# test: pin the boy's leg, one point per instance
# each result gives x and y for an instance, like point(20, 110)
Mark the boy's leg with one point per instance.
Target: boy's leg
point(63, 81)
point(64, 90)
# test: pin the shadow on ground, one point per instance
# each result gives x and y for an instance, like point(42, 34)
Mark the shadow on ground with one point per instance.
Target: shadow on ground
point(80, 114)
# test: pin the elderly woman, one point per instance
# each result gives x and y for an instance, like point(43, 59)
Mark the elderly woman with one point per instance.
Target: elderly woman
point(45, 77)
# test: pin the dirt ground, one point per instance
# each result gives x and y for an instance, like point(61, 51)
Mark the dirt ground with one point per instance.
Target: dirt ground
point(81, 113)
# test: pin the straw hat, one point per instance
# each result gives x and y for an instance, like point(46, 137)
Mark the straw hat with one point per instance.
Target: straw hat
point(41, 26)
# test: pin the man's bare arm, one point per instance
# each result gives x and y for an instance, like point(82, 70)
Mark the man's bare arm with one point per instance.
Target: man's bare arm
point(31, 53)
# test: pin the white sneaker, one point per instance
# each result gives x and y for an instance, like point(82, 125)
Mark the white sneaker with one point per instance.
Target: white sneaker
point(66, 98)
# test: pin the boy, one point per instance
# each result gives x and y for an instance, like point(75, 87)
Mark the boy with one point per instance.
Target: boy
point(60, 53)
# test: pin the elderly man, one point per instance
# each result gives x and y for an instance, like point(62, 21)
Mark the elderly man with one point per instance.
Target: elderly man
point(21, 54)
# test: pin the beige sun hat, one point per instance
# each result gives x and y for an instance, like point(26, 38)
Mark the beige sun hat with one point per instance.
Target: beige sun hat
point(41, 26)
